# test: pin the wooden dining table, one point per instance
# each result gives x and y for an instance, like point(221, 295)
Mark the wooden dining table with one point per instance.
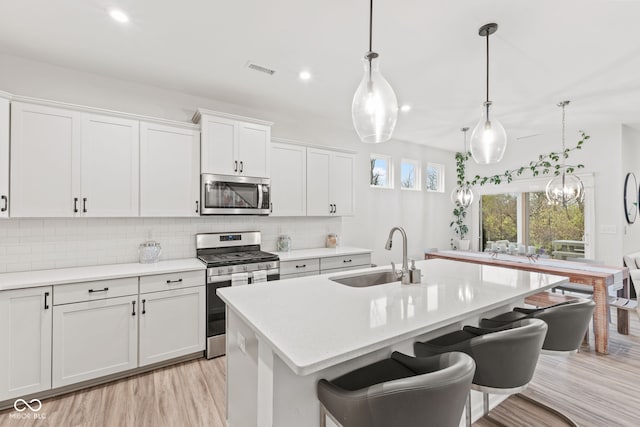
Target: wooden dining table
point(599, 277)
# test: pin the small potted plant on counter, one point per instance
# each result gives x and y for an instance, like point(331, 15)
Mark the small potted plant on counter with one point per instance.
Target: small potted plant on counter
point(459, 227)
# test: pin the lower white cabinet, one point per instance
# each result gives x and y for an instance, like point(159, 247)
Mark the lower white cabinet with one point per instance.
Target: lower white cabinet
point(172, 324)
point(25, 341)
point(93, 339)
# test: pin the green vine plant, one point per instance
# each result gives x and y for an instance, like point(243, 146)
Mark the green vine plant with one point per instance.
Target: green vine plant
point(545, 164)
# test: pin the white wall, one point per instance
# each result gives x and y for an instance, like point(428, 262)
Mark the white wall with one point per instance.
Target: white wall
point(601, 156)
point(425, 216)
point(630, 163)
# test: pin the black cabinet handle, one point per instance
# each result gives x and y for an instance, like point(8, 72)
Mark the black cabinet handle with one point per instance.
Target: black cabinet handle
point(347, 260)
point(235, 166)
point(173, 281)
point(271, 208)
point(84, 204)
point(144, 306)
point(197, 206)
point(241, 166)
point(92, 291)
point(6, 203)
point(46, 303)
point(301, 266)
point(133, 308)
point(75, 205)
point(335, 208)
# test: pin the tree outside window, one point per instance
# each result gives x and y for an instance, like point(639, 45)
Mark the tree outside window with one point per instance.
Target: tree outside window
point(381, 175)
point(435, 177)
point(409, 175)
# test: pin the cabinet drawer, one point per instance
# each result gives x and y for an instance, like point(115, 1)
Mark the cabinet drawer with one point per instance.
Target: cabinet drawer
point(91, 291)
point(166, 282)
point(344, 261)
point(311, 265)
point(294, 275)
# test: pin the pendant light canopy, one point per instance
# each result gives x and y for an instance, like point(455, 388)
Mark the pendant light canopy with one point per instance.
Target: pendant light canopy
point(566, 188)
point(463, 195)
point(375, 107)
point(488, 139)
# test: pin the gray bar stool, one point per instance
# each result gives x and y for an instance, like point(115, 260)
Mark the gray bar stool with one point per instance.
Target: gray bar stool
point(401, 391)
point(505, 358)
point(567, 322)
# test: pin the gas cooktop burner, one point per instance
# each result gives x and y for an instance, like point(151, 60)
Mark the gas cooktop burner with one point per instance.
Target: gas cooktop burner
point(235, 258)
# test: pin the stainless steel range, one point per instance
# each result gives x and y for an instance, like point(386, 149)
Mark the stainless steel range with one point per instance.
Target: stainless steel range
point(232, 259)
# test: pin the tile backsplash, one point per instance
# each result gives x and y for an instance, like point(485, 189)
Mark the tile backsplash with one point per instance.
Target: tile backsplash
point(37, 244)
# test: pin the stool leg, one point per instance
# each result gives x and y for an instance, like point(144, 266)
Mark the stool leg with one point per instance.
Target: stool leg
point(467, 410)
point(323, 416)
point(485, 399)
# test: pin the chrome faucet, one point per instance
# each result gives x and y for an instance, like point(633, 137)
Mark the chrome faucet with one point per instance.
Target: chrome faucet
point(403, 275)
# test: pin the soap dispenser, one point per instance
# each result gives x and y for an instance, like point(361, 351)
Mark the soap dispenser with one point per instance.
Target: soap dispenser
point(415, 274)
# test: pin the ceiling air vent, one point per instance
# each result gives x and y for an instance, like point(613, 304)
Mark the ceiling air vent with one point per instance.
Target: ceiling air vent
point(260, 68)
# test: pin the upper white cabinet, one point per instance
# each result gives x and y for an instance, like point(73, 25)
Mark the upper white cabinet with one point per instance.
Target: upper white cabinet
point(169, 171)
point(330, 182)
point(45, 161)
point(288, 179)
point(234, 145)
point(25, 334)
point(67, 163)
point(109, 166)
point(4, 157)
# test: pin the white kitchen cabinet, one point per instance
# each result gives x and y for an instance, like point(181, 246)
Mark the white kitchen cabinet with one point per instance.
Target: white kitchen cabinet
point(25, 334)
point(169, 171)
point(234, 145)
point(67, 163)
point(93, 339)
point(172, 324)
point(109, 166)
point(288, 179)
point(330, 183)
point(45, 161)
point(4, 156)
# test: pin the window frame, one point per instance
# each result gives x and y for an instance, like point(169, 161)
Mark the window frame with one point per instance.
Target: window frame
point(417, 171)
point(389, 171)
point(441, 184)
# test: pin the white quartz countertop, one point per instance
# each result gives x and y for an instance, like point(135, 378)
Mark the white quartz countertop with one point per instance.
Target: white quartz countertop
point(312, 323)
point(32, 279)
point(298, 254)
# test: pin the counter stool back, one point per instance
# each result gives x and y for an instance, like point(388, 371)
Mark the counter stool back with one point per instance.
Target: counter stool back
point(401, 391)
point(505, 358)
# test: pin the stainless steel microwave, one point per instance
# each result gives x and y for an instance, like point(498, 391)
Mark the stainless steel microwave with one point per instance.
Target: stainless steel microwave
point(234, 195)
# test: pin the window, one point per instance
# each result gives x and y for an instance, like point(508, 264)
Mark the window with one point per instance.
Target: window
point(435, 177)
point(381, 171)
point(409, 175)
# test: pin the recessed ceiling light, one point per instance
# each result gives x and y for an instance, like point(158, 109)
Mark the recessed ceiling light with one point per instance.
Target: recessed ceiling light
point(304, 75)
point(119, 16)
point(405, 108)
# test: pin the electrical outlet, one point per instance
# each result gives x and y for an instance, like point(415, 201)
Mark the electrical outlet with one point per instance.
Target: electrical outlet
point(242, 343)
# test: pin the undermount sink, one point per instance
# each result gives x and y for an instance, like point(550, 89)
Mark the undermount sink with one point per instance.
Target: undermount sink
point(367, 279)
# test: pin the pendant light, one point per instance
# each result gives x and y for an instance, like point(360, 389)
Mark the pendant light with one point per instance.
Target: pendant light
point(488, 139)
point(566, 188)
point(463, 195)
point(375, 107)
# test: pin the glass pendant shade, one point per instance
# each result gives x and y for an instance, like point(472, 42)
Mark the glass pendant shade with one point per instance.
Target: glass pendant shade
point(488, 139)
point(463, 196)
point(565, 189)
point(375, 106)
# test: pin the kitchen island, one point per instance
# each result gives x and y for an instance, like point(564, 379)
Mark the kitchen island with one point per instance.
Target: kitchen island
point(282, 337)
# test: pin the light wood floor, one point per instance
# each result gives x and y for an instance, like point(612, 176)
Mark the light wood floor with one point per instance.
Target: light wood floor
point(594, 390)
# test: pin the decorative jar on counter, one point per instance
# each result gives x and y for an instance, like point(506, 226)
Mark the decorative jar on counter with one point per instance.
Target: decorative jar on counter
point(284, 243)
point(332, 240)
point(149, 252)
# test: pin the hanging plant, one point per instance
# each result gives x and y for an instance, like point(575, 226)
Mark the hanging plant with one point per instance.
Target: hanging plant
point(545, 164)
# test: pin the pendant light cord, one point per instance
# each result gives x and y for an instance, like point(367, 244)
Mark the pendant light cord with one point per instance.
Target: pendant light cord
point(370, 26)
point(487, 67)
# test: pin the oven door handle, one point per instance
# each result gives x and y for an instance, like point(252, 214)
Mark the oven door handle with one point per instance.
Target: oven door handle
point(259, 196)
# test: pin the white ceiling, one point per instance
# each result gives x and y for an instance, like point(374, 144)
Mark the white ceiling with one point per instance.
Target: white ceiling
point(545, 51)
